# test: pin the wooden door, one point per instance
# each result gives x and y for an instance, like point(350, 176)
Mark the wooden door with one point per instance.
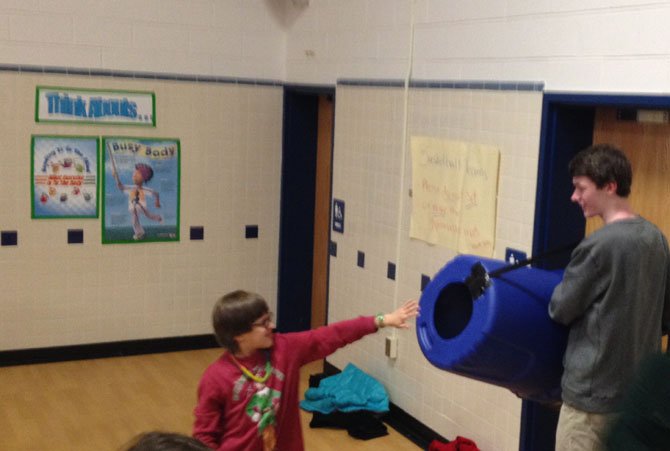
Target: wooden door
point(322, 211)
point(647, 145)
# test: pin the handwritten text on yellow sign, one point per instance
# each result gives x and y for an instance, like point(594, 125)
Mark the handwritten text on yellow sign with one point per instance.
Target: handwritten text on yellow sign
point(454, 187)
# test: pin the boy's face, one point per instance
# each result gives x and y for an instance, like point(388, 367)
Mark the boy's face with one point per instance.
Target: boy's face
point(590, 198)
point(261, 335)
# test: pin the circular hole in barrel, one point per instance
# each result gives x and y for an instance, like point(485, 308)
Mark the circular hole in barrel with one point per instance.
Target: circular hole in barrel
point(453, 310)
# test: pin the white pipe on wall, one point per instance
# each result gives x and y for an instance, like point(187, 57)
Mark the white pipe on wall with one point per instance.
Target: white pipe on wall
point(403, 156)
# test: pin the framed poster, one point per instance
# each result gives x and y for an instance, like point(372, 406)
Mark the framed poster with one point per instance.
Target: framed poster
point(141, 188)
point(95, 106)
point(64, 176)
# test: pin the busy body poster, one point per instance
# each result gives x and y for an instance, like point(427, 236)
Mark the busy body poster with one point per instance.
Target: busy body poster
point(64, 176)
point(141, 188)
point(455, 189)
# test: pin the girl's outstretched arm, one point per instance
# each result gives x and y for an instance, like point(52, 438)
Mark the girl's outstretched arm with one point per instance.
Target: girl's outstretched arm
point(398, 318)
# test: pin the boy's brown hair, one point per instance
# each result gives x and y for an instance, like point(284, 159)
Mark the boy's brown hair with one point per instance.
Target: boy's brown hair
point(165, 441)
point(604, 163)
point(233, 315)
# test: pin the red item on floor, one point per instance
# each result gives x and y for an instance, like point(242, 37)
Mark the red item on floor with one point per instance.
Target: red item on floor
point(459, 444)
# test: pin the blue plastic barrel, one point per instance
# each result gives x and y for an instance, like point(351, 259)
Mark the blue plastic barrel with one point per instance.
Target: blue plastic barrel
point(504, 337)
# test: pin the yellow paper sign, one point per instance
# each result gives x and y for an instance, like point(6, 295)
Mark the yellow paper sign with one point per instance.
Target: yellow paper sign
point(455, 187)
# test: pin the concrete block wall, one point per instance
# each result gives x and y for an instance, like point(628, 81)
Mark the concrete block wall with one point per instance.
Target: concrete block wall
point(60, 294)
point(591, 45)
point(367, 172)
point(235, 38)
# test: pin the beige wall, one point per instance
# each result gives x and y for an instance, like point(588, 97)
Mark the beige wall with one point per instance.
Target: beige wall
point(54, 293)
point(367, 176)
point(233, 38)
point(580, 45)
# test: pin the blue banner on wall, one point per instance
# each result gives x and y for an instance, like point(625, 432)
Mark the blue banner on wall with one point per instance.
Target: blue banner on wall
point(57, 104)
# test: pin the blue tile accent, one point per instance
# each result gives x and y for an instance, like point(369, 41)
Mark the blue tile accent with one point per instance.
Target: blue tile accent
point(9, 238)
point(76, 71)
point(191, 78)
point(98, 72)
point(361, 259)
point(371, 82)
point(207, 78)
point(75, 236)
point(390, 271)
point(332, 249)
point(173, 77)
point(508, 86)
point(495, 85)
point(251, 231)
point(425, 280)
point(124, 74)
point(197, 233)
point(388, 83)
point(31, 69)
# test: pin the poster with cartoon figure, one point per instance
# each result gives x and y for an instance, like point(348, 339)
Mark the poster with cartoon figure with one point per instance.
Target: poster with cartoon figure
point(140, 190)
point(64, 174)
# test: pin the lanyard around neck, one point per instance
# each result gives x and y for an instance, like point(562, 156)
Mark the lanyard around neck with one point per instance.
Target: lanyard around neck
point(249, 374)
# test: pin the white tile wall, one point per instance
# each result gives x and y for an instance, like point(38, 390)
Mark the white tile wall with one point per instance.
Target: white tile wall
point(206, 37)
point(367, 176)
point(590, 45)
point(59, 294)
point(596, 45)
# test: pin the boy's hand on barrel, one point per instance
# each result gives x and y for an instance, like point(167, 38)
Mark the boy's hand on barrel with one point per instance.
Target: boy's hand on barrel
point(399, 317)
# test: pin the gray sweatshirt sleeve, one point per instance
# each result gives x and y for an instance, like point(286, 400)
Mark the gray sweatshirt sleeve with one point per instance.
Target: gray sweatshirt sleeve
point(583, 283)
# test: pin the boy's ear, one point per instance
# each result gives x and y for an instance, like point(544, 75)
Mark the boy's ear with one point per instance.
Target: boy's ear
point(611, 187)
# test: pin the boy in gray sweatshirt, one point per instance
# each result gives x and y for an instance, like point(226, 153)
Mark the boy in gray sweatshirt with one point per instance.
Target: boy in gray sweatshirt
point(614, 297)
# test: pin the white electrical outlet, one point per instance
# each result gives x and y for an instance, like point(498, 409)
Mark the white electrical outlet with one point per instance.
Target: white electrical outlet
point(392, 347)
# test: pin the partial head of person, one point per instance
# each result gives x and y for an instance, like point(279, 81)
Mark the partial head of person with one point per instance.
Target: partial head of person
point(165, 441)
point(601, 174)
point(243, 323)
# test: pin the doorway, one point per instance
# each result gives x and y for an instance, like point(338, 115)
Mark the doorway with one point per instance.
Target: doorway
point(308, 122)
point(571, 122)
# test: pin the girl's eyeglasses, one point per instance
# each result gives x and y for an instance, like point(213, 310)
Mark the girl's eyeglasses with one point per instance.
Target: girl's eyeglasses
point(265, 322)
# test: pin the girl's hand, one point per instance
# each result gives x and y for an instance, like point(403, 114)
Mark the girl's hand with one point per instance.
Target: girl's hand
point(399, 317)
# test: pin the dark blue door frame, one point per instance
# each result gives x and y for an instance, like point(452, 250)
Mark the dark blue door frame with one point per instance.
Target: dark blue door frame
point(296, 222)
point(567, 127)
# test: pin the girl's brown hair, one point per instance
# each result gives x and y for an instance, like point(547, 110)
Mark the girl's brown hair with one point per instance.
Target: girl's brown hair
point(233, 315)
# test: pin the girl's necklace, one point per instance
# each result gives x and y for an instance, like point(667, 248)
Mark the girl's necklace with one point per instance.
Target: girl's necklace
point(252, 376)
